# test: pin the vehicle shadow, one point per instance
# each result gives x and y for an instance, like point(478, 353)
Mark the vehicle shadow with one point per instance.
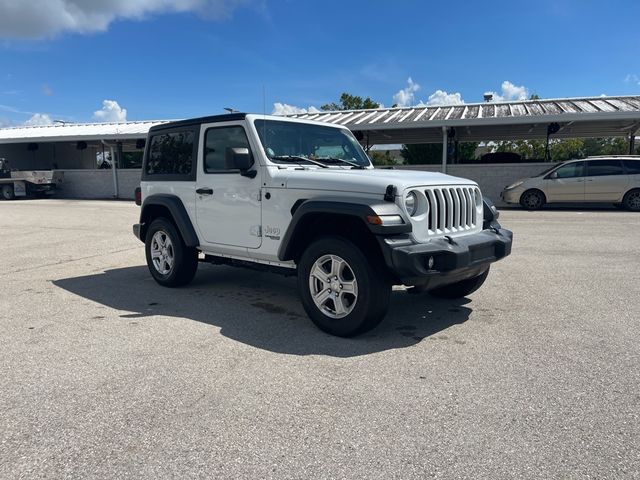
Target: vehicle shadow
point(263, 310)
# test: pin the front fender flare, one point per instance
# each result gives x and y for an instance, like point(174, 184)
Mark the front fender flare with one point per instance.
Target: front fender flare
point(356, 208)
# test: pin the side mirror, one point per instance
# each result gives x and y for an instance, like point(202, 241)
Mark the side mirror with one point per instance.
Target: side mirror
point(553, 175)
point(239, 158)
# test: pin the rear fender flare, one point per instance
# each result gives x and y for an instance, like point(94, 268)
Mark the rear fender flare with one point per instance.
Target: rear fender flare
point(178, 213)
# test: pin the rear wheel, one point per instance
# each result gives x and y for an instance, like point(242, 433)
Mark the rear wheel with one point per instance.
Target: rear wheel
point(462, 288)
point(632, 200)
point(7, 192)
point(170, 261)
point(532, 199)
point(343, 293)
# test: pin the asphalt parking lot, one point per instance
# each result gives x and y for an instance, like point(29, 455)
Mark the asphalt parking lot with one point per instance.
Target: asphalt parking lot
point(104, 374)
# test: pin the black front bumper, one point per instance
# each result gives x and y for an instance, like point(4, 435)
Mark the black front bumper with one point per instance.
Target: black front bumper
point(451, 259)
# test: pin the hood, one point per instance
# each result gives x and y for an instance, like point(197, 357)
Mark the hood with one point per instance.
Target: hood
point(371, 181)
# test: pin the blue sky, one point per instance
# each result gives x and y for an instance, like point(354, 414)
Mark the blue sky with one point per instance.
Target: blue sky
point(161, 59)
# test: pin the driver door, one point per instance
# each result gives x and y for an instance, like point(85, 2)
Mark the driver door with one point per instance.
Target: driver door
point(228, 207)
point(566, 184)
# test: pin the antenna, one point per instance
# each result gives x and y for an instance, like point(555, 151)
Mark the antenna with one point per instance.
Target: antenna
point(231, 110)
point(264, 119)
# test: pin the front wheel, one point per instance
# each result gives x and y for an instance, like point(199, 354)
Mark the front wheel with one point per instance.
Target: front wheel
point(170, 261)
point(343, 293)
point(462, 288)
point(532, 200)
point(7, 192)
point(632, 200)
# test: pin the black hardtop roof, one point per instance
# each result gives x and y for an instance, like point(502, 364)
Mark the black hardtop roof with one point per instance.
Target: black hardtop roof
point(228, 117)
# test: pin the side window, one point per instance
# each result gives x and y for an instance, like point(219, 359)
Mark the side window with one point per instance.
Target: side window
point(570, 171)
point(218, 142)
point(171, 154)
point(632, 166)
point(599, 168)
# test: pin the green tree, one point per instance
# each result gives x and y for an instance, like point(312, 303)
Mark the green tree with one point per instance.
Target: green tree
point(615, 146)
point(351, 102)
point(422, 154)
point(527, 149)
point(534, 96)
point(467, 150)
point(431, 153)
point(566, 149)
point(380, 158)
point(606, 146)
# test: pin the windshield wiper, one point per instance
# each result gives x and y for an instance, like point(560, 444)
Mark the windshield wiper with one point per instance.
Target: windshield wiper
point(342, 160)
point(297, 159)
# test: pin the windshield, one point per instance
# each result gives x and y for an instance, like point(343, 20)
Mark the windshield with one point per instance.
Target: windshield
point(542, 174)
point(289, 142)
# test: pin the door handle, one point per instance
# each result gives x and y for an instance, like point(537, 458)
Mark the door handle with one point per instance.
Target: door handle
point(204, 191)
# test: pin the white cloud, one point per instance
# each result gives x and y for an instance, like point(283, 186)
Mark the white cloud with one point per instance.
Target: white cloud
point(38, 119)
point(38, 18)
point(110, 112)
point(406, 96)
point(286, 109)
point(632, 78)
point(510, 92)
point(441, 97)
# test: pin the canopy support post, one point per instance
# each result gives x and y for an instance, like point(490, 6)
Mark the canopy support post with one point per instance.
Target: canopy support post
point(444, 149)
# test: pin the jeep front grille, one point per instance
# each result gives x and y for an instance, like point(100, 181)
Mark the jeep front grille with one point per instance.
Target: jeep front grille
point(452, 209)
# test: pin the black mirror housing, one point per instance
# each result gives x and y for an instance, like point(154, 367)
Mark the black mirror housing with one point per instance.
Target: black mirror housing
point(239, 158)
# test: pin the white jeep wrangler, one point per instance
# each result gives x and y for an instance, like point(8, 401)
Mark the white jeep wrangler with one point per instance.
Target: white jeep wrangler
point(302, 198)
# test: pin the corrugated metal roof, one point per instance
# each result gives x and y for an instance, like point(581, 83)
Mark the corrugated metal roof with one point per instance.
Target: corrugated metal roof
point(78, 131)
point(578, 117)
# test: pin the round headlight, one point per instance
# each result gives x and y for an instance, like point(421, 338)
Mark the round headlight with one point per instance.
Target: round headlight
point(411, 203)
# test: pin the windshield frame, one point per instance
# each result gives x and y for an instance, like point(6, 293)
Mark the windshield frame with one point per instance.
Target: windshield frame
point(364, 162)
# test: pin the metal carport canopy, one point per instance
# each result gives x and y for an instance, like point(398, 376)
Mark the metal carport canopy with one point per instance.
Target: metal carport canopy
point(519, 120)
point(74, 132)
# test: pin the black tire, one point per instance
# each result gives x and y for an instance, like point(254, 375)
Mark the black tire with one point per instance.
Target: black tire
point(7, 192)
point(184, 262)
point(631, 200)
point(462, 288)
point(365, 310)
point(533, 199)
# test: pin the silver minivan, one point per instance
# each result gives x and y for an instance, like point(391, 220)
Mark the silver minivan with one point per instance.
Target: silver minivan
point(610, 179)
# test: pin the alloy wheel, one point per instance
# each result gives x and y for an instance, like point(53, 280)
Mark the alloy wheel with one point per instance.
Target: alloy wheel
point(162, 253)
point(333, 286)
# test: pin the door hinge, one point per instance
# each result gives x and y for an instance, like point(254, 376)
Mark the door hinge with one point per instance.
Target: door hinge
point(256, 230)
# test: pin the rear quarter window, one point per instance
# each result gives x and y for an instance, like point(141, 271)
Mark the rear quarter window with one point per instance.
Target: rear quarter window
point(171, 155)
point(632, 166)
point(601, 168)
